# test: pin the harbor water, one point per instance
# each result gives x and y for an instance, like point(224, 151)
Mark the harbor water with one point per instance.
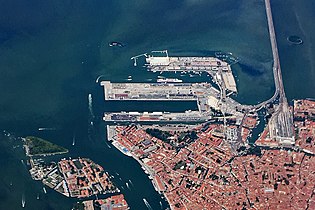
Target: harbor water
point(52, 52)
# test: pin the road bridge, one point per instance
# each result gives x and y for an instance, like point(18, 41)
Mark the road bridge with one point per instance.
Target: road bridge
point(281, 122)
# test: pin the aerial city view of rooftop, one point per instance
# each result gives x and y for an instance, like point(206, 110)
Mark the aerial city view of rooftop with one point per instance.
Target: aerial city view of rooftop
point(158, 105)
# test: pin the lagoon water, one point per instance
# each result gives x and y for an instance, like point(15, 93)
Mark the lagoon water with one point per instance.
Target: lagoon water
point(51, 53)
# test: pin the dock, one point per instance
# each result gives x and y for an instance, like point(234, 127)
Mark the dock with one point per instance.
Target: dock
point(157, 91)
point(210, 65)
point(206, 96)
point(211, 102)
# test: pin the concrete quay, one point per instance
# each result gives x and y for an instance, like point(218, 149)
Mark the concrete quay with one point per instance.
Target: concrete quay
point(208, 100)
point(156, 91)
point(215, 67)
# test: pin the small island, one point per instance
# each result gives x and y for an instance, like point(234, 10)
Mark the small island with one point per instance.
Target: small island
point(36, 146)
point(78, 178)
point(295, 40)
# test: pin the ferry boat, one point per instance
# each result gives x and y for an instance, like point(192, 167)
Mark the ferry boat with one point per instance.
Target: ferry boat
point(169, 80)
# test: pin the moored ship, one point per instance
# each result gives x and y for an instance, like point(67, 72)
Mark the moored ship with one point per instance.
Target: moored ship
point(169, 80)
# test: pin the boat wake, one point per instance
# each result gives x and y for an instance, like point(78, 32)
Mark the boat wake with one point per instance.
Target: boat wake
point(128, 186)
point(91, 106)
point(73, 139)
point(23, 163)
point(98, 78)
point(23, 201)
point(108, 145)
point(147, 204)
point(47, 129)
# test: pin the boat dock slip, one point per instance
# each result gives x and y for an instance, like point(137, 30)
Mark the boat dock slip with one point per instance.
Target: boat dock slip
point(211, 65)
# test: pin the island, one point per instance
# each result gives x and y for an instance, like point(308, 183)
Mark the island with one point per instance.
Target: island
point(79, 177)
point(36, 146)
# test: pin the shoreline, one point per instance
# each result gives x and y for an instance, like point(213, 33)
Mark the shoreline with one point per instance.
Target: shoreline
point(147, 170)
point(26, 148)
point(27, 151)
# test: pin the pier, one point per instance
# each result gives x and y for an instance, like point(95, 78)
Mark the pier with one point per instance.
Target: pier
point(207, 97)
point(215, 67)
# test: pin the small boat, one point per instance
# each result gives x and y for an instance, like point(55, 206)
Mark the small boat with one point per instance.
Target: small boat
point(161, 205)
point(46, 129)
point(73, 140)
point(147, 203)
point(127, 185)
point(44, 189)
point(37, 197)
point(130, 182)
point(23, 201)
point(116, 44)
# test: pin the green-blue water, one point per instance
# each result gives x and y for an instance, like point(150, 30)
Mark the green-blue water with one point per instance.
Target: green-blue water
point(51, 53)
